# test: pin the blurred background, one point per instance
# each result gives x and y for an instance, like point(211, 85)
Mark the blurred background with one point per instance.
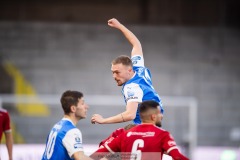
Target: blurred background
point(191, 47)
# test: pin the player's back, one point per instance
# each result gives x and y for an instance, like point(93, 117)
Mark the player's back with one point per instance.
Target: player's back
point(145, 139)
point(55, 149)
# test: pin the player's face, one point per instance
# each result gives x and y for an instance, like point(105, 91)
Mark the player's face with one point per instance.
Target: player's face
point(120, 73)
point(159, 119)
point(81, 109)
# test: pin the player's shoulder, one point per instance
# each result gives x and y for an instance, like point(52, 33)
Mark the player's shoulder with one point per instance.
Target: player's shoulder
point(131, 85)
point(73, 132)
point(159, 129)
point(163, 133)
point(3, 110)
point(65, 126)
point(117, 132)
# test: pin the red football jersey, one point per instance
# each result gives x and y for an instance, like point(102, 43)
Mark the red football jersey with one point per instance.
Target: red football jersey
point(114, 134)
point(146, 141)
point(4, 122)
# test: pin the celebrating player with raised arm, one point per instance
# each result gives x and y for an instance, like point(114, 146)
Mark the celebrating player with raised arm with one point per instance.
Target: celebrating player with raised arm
point(134, 77)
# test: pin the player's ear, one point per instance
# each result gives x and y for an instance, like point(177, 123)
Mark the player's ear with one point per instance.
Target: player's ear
point(73, 108)
point(129, 68)
point(153, 117)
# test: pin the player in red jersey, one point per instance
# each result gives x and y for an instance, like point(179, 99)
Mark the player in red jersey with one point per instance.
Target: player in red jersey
point(116, 133)
point(144, 141)
point(6, 129)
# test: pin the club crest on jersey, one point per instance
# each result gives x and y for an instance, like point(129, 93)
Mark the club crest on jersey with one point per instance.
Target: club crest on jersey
point(140, 71)
point(130, 93)
point(77, 139)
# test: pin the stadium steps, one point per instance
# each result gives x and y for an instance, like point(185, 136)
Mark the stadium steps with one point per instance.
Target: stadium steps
point(23, 87)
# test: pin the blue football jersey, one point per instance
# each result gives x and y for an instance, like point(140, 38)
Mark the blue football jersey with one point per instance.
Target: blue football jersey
point(63, 141)
point(139, 88)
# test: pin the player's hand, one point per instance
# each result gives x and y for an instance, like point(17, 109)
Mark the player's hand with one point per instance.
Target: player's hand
point(97, 118)
point(114, 23)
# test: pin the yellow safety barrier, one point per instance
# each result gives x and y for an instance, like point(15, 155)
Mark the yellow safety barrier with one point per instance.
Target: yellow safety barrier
point(23, 87)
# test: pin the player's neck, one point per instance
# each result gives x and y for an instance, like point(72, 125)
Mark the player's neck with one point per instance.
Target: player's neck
point(148, 123)
point(132, 74)
point(73, 119)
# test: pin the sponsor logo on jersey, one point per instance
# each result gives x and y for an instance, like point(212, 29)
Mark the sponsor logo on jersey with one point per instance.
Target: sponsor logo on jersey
point(134, 62)
point(172, 143)
point(130, 93)
point(143, 134)
point(77, 145)
point(109, 140)
point(135, 59)
point(131, 98)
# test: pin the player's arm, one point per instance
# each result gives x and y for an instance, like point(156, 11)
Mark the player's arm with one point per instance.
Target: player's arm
point(107, 149)
point(80, 156)
point(9, 143)
point(170, 146)
point(133, 40)
point(128, 115)
point(73, 144)
point(176, 155)
point(100, 153)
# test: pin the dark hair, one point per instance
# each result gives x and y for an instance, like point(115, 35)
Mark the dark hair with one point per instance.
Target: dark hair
point(147, 105)
point(129, 126)
point(125, 60)
point(70, 98)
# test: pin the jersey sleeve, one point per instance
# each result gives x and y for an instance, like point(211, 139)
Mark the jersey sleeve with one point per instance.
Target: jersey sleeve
point(176, 155)
point(112, 136)
point(171, 148)
point(114, 145)
point(169, 143)
point(137, 61)
point(100, 153)
point(73, 141)
point(133, 93)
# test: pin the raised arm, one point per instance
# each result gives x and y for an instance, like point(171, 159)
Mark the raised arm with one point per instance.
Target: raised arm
point(137, 47)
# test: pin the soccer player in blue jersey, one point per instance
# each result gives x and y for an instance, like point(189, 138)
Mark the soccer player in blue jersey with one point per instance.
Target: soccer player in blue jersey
point(65, 140)
point(134, 77)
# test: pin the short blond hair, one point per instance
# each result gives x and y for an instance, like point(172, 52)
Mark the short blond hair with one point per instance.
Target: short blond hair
point(123, 59)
